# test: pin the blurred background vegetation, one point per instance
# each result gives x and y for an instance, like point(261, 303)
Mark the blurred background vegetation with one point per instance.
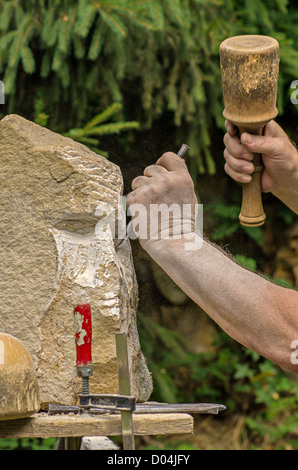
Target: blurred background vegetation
point(132, 79)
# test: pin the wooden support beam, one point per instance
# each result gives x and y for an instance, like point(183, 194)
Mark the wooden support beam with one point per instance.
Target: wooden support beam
point(42, 425)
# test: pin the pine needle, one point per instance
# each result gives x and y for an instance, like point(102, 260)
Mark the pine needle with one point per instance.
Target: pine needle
point(104, 115)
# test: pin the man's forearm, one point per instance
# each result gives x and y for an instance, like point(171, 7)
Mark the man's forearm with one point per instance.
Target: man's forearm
point(252, 310)
point(289, 196)
point(287, 191)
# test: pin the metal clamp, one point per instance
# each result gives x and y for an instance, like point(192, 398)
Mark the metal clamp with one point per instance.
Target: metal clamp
point(110, 402)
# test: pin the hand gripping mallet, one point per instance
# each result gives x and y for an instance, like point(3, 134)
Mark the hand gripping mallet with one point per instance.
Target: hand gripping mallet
point(249, 71)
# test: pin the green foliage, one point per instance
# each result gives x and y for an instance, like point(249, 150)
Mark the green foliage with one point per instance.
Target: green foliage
point(230, 374)
point(163, 358)
point(225, 223)
point(95, 127)
point(40, 116)
point(248, 263)
point(155, 57)
point(28, 444)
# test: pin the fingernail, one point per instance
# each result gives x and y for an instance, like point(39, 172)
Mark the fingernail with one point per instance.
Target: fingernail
point(247, 169)
point(228, 126)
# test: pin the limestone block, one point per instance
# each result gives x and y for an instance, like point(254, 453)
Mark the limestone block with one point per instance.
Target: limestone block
point(56, 251)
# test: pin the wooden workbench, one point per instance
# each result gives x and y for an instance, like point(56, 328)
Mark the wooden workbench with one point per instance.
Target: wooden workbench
point(42, 425)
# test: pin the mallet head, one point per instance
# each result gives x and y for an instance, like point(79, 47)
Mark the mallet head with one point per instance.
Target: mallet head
point(249, 69)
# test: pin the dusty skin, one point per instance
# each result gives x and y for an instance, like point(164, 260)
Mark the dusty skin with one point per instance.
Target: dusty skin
point(260, 315)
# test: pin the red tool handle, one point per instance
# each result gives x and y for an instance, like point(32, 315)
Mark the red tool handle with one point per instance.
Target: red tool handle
point(83, 334)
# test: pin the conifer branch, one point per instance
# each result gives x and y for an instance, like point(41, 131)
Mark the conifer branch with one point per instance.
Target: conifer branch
point(93, 51)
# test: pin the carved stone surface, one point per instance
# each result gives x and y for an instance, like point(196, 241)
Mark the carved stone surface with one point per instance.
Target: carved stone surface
point(55, 252)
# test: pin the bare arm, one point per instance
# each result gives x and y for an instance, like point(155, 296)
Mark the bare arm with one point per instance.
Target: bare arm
point(280, 158)
point(255, 312)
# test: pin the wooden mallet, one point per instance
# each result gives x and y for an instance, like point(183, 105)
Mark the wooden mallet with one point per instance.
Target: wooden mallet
point(249, 70)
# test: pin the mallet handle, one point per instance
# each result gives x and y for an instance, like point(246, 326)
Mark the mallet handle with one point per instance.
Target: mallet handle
point(252, 213)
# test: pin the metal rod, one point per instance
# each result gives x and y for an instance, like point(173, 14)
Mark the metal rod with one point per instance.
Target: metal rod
point(182, 151)
point(147, 407)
